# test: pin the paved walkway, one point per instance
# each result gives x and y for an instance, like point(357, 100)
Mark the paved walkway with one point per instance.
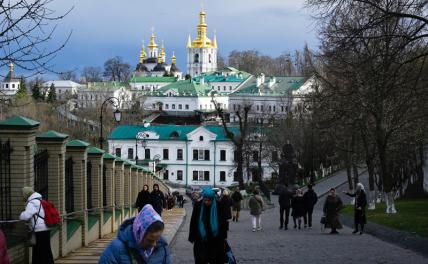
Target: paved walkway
point(299, 246)
point(93, 251)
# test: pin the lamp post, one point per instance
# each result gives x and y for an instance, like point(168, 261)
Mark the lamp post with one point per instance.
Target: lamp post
point(140, 136)
point(117, 115)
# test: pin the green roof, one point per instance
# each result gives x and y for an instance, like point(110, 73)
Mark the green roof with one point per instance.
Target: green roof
point(51, 135)
point(186, 88)
point(19, 122)
point(106, 84)
point(152, 79)
point(95, 151)
point(228, 74)
point(167, 132)
point(281, 87)
point(76, 143)
point(108, 156)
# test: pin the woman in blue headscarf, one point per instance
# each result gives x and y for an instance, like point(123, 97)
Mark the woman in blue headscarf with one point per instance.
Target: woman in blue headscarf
point(208, 229)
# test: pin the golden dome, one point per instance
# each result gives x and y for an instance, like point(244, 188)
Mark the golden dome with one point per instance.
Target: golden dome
point(202, 40)
point(152, 44)
point(142, 53)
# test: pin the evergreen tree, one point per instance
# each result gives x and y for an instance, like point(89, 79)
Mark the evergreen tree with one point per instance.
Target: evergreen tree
point(51, 94)
point(22, 91)
point(36, 91)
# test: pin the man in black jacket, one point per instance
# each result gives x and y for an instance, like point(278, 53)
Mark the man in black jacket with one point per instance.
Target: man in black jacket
point(310, 198)
point(158, 199)
point(284, 207)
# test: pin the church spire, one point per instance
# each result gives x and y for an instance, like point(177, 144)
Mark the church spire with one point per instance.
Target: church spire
point(189, 42)
point(173, 58)
point(152, 45)
point(142, 53)
point(162, 53)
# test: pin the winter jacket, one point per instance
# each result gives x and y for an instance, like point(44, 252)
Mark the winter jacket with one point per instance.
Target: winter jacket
point(124, 249)
point(331, 209)
point(227, 203)
point(310, 198)
point(360, 207)
point(298, 206)
point(34, 213)
point(143, 198)
point(4, 258)
point(256, 205)
point(284, 199)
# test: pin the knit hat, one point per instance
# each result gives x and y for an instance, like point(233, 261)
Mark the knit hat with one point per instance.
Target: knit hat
point(208, 193)
point(27, 192)
point(143, 221)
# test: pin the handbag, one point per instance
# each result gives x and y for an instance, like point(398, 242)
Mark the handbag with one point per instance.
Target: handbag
point(323, 220)
point(230, 258)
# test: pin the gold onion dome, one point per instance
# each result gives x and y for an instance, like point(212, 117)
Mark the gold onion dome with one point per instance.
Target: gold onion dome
point(173, 58)
point(202, 41)
point(142, 54)
point(152, 44)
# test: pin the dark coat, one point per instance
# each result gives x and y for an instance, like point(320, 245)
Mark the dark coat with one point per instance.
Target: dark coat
point(332, 207)
point(285, 198)
point(298, 206)
point(310, 198)
point(143, 198)
point(360, 207)
point(227, 203)
point(124, 249)
point(237, 198)
point(157, 201)
point(255, 203)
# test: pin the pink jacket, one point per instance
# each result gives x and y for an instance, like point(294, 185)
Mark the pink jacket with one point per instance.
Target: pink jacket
point(4, 258)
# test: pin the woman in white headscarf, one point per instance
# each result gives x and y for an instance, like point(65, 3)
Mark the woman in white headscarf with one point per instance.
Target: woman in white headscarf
point(360, 208)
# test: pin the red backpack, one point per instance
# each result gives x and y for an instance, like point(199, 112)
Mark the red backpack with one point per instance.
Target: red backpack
point(51, 213)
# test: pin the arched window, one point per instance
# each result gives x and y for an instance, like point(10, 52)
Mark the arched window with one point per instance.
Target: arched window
point(196, 58)
point(201, 138)
point(209, 58)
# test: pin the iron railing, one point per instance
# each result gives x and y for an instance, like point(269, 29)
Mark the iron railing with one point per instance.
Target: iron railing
point(104, 186)
point(89, 184)
point(69, 185)
point(5, 184)
point(41, 172)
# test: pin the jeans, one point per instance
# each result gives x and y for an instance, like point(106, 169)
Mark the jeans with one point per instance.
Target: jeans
point(257, 219)
point(308, 216)
point(282, 210)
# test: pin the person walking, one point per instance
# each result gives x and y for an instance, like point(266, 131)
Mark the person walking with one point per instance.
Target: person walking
point(207, 230)
point(226, 203)
point(139, 240)
point(4, 258)
point(236, 207)
point(180, 200)
point(34, 214)
point(284, 201)
point(143, 198)
point(256, 207)
point(298, 208)
point(360, 218)
point(158, 199)
point(332, 206)
point(310, 198)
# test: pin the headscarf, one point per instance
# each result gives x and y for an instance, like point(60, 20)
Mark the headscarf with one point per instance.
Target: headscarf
point(360, 187)
point(27, 192)
point(143, 221)
point(208, 193)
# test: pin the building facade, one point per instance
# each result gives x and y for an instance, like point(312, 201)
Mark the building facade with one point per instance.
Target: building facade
point(10, 85)
point(64, 89)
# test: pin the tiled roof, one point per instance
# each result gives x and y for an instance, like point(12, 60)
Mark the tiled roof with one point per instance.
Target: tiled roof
point(166, 132)
point(281, 87)
point(224, 76)
point(152, 79)
point(187, 88)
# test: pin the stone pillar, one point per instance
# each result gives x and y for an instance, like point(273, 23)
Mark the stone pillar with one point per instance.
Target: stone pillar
point(143, 180)
point(109, 162)
point(20, 133)
point(54, 143)
point(77, 150)
point(127, 188)
point(134, 186)
point(95, 156)
point(119, 179)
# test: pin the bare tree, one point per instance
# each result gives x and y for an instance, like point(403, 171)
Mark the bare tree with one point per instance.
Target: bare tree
point(117, 70)
point(68, 75)
point(25, 29)
point(91, 74)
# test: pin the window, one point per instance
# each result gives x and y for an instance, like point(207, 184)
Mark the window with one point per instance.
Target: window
point(165, 154)
point(207, 154)
point(7, 85)
point(195, 154)
point(196, 58)
point(258, 107)
point(166, 175)
point(255, 156)
point(130, 153)
point(180, 106)
point(118, 152)
point(179, 154)
point(224, 88)
point(209, 58)
point(206, 175)
point(261, 108)
point(234, 107)
point(274, 108)
point(235, 155)
point(166, 106)
point(195, 175)
point(147, 154)
point(13, 85)
point(179, 175)
point(282, 108)
point(270, 108)
point(274, 155)
point(235, 176)
point(223, 155)
point(173, 106)
point(187, 107)
point(201, 138)
point(222, 176)
point(230, 88)
point(201, 154)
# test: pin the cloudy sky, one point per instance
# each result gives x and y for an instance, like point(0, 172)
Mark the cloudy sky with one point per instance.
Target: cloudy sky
point(105, 28)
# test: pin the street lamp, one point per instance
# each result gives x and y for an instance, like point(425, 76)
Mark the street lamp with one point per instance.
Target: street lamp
point(117, 115)
point(140, 136)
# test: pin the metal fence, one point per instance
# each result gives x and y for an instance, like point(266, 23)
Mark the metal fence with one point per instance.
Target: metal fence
point(89, 184)
point(5, 185)
point(69, 185)
point(41, 172)
point(104, 186)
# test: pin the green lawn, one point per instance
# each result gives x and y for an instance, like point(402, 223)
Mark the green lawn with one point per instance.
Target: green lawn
point(412, 216)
